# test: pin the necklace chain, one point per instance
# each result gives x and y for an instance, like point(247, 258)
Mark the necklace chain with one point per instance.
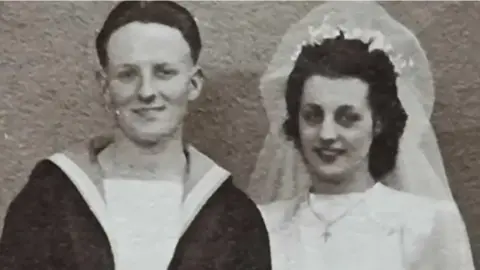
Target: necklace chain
point(329, 223)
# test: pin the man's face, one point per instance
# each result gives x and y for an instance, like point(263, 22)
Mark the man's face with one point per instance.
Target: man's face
point(151, 79)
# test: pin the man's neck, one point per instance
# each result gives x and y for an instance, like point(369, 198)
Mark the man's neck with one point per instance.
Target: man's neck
point(129, 159)
point(359, 180)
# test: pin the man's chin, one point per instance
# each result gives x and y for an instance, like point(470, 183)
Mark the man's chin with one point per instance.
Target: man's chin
point(149, 139)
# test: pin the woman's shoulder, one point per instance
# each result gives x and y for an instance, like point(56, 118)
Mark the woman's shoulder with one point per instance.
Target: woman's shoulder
point(413, 210)
point(407, 202)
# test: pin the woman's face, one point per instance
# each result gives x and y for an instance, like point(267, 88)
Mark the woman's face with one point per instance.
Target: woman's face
point(151, 79)
point(335, 124)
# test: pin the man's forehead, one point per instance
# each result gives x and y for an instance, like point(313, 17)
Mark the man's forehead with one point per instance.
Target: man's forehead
point(147, 41)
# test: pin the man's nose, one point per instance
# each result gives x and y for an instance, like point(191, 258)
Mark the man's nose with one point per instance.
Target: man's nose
point(146, 93)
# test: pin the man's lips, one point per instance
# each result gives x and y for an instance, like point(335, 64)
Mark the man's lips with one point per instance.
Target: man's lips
point(143, 110)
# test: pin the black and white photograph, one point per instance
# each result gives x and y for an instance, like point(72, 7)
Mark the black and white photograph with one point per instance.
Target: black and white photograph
point(231, 135)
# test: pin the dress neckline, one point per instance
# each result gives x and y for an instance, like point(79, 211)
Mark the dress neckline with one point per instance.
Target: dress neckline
point(345, 196)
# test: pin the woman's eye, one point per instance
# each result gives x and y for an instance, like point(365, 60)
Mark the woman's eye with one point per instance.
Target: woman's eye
point(348, 119)
point(312, 117)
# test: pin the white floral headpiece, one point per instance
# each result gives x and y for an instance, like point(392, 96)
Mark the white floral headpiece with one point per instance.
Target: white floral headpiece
point(376, 39)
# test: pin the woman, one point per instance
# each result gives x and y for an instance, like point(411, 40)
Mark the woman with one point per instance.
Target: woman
point(350, 134)
point(140, 198)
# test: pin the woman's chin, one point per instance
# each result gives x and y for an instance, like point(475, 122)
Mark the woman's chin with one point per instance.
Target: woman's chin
point(331, 170)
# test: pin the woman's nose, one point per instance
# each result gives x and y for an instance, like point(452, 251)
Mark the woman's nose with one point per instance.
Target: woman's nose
point(327, 142)
point(328, 133)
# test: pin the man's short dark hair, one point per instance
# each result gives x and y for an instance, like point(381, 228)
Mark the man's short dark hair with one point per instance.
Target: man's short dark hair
point(162, 12)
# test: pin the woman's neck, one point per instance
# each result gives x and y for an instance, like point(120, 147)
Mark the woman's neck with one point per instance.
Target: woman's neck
point(125, 158)
point(359, 180)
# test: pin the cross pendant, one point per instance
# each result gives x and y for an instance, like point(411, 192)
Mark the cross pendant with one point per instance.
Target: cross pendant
point(326, 235)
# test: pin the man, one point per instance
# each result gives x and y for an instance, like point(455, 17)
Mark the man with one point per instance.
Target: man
point(140, 198)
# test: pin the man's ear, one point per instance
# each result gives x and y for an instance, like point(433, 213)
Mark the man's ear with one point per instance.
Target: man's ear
point(196, 83)
point(377, 127)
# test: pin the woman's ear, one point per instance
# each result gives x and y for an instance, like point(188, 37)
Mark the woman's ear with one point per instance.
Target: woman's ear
point(196, 83)
point(102, 80)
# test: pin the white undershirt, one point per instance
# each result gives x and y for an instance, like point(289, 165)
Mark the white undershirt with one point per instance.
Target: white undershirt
point(146, 219)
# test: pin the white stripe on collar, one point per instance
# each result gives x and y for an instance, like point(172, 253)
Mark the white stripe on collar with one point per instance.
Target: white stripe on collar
point(89, 192)
point(201, 192)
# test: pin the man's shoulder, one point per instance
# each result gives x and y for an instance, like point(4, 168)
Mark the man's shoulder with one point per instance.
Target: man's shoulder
point(230, 204)
point(45, 175)
point(45, 192)
point(46, 184)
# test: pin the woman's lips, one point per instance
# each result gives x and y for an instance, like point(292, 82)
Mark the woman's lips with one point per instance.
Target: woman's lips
point(329, 155)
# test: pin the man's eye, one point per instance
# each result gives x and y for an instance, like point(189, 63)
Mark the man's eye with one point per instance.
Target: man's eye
point(126, 74)
point(162, 72)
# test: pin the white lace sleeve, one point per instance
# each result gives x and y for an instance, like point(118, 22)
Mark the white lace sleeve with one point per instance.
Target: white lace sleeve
point(449, 247)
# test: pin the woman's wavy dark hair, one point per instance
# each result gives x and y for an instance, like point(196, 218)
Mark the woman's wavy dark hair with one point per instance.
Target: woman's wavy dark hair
point(162, 12)
point(344, 58)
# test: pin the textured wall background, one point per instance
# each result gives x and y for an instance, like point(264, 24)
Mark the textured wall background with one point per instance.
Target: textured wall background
point(49, 97)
